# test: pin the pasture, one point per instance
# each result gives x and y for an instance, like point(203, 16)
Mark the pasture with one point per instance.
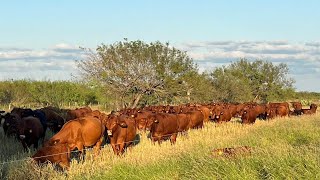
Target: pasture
point(282, 148)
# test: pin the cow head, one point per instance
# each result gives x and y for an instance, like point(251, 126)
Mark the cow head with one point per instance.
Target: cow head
point(114, 122)
point(10, 125)
point(51, 142)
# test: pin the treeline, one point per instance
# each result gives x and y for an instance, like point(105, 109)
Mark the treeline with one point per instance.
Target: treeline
point(43, 93)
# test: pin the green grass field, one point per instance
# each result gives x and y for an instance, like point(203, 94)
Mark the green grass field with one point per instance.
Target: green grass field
point(283, 148)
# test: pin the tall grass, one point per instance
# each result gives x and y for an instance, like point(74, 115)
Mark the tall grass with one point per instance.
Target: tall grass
point(284, 148)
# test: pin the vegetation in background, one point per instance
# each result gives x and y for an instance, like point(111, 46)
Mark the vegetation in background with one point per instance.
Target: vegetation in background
point(135, 70)
point(257, 81)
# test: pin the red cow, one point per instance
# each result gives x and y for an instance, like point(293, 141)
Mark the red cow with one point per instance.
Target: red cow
point(80, 133)
point(163, 126)
point(121, 132)
point(297, 106)
point(249, 116)
point(77, 113)
point(58, 154)
point(312, 110)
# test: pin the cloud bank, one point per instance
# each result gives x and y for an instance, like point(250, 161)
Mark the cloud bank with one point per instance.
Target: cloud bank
point(58, 62)
point(55, 63)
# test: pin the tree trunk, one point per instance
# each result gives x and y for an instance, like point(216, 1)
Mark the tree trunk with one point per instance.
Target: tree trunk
point(136, 101)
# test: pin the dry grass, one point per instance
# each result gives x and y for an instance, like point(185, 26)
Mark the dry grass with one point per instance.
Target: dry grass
point(282, 148)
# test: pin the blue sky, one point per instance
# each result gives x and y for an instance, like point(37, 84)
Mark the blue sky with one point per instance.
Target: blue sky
point(40, 39)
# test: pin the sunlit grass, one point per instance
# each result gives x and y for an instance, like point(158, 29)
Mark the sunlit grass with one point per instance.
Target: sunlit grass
point(282, 148)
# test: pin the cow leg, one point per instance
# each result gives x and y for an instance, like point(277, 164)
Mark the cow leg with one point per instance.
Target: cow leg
point(121, 148)
point(79, 146)
point(173, 138)
point(114, 146)
point(97, 147)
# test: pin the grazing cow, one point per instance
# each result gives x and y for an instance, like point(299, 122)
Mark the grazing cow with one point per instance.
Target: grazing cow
point(312, 110)
point(121, 132)
point(79, 133)
point(58, 154)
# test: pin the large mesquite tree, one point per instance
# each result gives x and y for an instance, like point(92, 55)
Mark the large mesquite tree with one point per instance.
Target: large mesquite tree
point(133, 69)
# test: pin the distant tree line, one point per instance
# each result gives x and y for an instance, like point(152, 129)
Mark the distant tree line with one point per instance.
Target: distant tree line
point(135, 73)
point(43, 93)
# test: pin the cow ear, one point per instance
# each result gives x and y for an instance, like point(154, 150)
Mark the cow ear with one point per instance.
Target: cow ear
point(156, 121)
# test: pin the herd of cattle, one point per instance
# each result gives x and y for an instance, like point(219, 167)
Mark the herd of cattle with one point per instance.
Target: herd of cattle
point(81, 128)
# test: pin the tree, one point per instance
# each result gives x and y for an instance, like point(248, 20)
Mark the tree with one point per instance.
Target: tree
point(257, 80)
point(132, 69)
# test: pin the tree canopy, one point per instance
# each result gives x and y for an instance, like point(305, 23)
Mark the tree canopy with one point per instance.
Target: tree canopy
point(133, 69)
point(258, 80)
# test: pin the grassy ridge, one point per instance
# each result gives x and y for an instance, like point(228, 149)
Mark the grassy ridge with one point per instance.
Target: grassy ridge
point(283, 148)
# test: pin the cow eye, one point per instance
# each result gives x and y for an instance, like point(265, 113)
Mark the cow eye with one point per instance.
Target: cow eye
point(30, 131)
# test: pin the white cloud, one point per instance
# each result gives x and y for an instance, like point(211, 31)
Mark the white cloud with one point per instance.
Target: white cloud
point(53, 63)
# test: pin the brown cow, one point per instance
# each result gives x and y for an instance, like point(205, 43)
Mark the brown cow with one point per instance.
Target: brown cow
point(58, 154)
point(271, 113)
point(121, 132)
point(206, 113)
point(297, 106)
point(249, 116)
point(163, 126)
point(54, 120)
point(195, 116)
point(80, 133)
point(221, 115)
point(282, 108)
point(77, 113)
point(312, 110)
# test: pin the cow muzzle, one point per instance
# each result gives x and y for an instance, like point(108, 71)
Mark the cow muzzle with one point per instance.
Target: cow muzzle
point(109, 132)
point(22, 136)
